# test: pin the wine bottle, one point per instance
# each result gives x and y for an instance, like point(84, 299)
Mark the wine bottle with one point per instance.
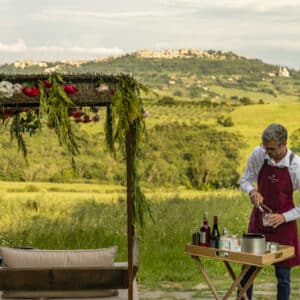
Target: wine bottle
point(215, 235)
point(204, 232)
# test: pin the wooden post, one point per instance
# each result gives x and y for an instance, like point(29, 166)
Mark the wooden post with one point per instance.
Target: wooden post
point(130, 143)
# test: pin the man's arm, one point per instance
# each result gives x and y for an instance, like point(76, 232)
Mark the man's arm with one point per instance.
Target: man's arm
point(250, 175)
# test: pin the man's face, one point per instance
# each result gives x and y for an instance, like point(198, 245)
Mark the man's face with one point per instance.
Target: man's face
point(275, 150)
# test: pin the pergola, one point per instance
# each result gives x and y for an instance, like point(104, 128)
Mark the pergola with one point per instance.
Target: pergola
point(88, 96)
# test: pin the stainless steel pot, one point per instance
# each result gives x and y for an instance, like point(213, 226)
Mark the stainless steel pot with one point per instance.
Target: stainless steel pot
point(253, 243)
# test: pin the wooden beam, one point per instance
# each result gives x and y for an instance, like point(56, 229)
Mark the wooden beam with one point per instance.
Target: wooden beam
point(130, 145)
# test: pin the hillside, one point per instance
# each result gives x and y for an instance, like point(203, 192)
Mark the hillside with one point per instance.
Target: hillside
point(190, 74)
point(209, 105)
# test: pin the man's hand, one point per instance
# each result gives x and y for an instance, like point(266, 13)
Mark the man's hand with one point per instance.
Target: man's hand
point(256, 197)
point(276, 219)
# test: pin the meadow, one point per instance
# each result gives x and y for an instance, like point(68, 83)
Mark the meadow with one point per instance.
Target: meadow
point(70, 216)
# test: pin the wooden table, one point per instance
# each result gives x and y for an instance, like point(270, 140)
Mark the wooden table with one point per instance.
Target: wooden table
point(248, 260)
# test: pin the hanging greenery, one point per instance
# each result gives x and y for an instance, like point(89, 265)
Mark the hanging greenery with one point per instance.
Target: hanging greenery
point(124, 112)
point(126, 109)
point(55, 105)
point(26, 121)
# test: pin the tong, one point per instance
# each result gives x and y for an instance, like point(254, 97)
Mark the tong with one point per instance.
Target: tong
point(262, 207)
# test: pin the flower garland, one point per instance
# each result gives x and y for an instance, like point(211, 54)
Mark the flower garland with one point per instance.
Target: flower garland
point(125, 111)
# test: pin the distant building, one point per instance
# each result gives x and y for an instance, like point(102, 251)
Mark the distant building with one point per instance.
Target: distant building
point(29, 63)
point(283, 72)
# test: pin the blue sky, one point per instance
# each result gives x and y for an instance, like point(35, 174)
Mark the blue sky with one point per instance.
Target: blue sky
point(61, 29)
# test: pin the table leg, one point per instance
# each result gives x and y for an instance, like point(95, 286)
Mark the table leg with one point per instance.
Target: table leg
point(249, 282)
point(237, 283)
point(205, 274)
point(233, 276)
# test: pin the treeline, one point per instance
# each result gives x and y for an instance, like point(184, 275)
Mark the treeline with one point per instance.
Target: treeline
point(175, 155)
point(137, 65)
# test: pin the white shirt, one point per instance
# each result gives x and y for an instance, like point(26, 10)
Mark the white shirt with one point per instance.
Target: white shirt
point(255, 163)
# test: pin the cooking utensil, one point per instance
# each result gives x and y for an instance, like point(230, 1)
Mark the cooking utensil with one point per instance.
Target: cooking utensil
point(265, 210)
point(253, 243)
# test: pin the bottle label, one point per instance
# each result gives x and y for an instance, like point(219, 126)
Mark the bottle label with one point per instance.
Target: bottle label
point(202, 237)
point(213, 243)
point(224, 244)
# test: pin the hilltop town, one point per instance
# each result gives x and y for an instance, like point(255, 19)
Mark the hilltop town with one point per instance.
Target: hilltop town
point(169, 54)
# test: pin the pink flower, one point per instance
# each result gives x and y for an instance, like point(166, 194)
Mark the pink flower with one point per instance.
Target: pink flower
point(31, 92)
point(145, 114)
point(70, 89)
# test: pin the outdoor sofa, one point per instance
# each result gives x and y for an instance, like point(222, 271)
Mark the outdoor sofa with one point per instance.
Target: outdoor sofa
point(45, 274)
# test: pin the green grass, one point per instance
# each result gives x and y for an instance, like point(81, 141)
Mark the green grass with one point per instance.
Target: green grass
point(254, 95)
point(94, 216)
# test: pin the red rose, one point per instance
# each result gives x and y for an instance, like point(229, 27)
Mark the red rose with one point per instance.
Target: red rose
point(31, 92)
point(70, 89)
point(77, 113)
point(112, 92)
point(86, 119)
point(47, 84)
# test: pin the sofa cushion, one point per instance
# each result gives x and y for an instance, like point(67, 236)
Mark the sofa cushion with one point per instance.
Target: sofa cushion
point(20, 258)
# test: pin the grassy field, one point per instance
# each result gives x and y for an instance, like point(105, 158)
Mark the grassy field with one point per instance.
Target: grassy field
point(249, 120)
point(58, 216)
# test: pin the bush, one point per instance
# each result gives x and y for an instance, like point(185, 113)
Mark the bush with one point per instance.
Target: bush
point(166, 100)
point(226, 122)
point(177, 93)
point(245, 100)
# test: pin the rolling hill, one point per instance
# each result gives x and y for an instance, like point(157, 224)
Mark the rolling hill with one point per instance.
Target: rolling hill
point(208, 104)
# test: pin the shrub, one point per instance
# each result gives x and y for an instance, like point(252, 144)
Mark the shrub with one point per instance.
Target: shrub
point(166, 100)
point(225, 121)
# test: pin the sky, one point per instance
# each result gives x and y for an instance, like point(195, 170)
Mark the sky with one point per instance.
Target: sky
point(87, 29)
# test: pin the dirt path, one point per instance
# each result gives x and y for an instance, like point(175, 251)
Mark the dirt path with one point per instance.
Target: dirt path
point(265, 291)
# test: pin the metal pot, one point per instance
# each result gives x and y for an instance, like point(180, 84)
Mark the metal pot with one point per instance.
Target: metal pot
point(253, 243)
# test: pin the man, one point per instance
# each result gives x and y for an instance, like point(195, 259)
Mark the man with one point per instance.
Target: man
point(276, 170)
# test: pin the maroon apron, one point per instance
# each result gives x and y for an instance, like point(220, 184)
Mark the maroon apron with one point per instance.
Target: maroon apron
point(275, 186)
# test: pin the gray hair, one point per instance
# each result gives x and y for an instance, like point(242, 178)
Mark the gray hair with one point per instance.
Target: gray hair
point(275, 132)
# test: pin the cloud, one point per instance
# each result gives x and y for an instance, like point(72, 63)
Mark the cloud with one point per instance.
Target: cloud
point(18, 46)
point(54, 52)
point(55, 15)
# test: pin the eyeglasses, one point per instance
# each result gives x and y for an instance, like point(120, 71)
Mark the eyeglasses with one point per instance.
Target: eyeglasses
point(270, 149)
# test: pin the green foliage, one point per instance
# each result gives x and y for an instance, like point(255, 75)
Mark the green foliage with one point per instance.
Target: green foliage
point(192, 156)
point(177, 93)
point(166, 100)
point(295, 141)
point(245, 100)
point(194, 91)
point(24, 122)
point(55, 105)
point(125, 126)
point(225, 121)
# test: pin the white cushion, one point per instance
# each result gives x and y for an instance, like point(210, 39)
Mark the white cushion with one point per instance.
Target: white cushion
point(20, 258)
